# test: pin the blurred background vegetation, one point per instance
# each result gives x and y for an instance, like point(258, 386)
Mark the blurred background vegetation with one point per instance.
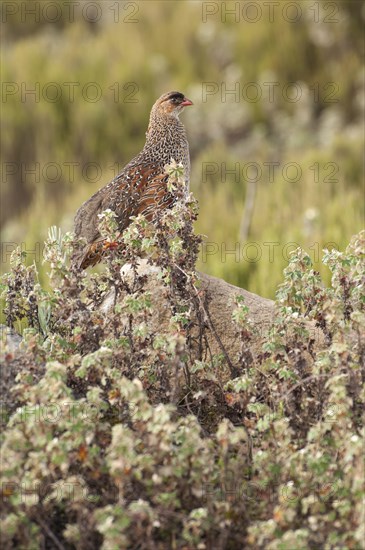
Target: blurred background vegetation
point(283, 167)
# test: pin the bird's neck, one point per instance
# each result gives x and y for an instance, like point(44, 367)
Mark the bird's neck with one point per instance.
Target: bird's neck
point(166, 140)
point(162, 125)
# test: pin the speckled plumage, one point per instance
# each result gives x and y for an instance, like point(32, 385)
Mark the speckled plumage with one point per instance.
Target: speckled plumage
point(141, 186)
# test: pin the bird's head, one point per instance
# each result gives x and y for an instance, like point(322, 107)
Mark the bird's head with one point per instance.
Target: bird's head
point(172, 103)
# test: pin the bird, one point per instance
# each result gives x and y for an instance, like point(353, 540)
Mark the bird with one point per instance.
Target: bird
point(141, 186)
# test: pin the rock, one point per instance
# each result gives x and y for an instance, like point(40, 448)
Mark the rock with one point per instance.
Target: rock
point(216, 300)
point(10, 340)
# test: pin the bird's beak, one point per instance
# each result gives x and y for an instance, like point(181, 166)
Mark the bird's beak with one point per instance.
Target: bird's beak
point(186, 102)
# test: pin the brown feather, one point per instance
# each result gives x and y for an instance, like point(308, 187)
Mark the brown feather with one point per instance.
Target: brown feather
point(141, 187)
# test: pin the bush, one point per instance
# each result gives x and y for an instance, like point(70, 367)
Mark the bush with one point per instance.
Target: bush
point(116, 438)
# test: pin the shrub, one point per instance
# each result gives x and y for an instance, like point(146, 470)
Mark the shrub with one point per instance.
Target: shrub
point(115, 437)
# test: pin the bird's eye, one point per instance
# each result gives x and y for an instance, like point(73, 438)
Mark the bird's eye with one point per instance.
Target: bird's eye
point(176, 99)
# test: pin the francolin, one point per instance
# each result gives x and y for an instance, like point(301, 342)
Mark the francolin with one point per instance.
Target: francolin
point(141, 187)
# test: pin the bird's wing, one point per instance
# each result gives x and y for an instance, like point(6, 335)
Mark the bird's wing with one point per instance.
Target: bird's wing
point(139, 189)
